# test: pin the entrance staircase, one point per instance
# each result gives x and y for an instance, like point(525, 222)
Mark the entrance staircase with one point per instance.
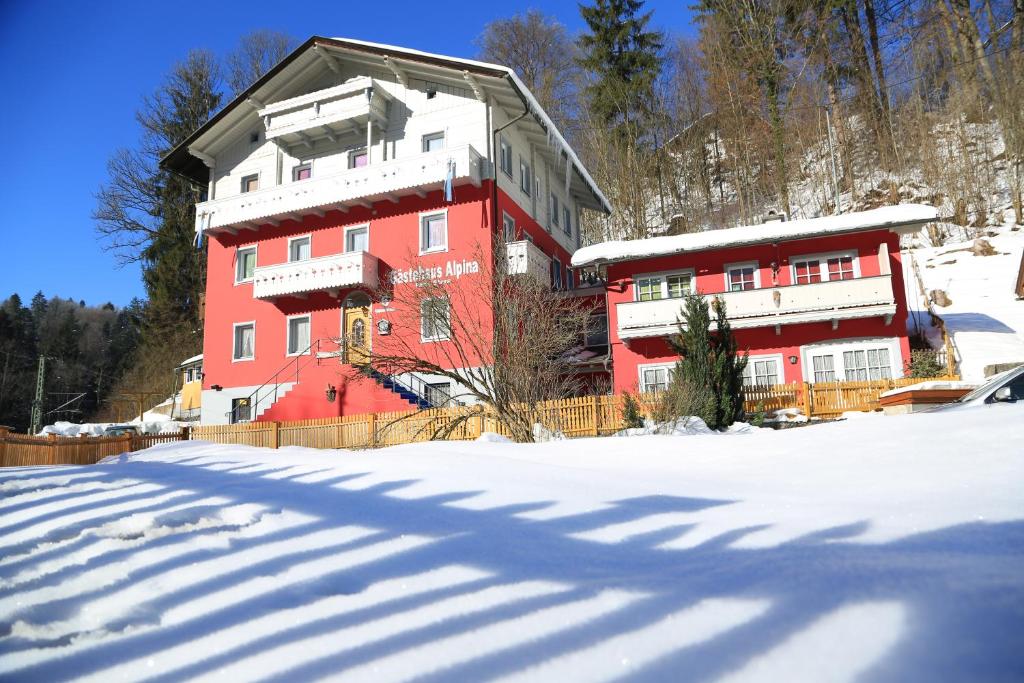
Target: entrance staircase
point(298, 387)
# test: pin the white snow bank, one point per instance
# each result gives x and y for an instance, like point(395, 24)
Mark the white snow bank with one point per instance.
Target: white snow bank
point(683, 426)
point(154, 423)
point(932, 385)
point(887, 548)
point(493, 437)
point(884, 217)
point(985, 319)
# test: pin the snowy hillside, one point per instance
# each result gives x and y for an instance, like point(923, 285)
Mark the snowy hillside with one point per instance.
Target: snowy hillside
point(829, 553)
point(983, 315)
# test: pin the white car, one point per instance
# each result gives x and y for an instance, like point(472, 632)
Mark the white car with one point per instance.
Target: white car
point(1006, 387)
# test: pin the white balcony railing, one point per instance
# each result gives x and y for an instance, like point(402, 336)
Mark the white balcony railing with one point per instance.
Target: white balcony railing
point(325, 273)
point(820, 301)
point(386, 180)
point(327, 112)
point(525, 257)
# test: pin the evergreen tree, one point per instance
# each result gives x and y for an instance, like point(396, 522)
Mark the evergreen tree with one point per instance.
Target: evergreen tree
point(709, 364)
point(623, 57)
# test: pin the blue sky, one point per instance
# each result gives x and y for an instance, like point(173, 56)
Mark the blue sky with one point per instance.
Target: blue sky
point(73, 74)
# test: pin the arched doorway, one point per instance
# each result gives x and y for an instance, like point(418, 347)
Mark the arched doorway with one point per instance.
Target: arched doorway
point(356, 328)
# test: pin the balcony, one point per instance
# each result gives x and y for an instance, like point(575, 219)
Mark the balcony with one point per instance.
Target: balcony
point(820, 301)
point(326, 113)
point(322, 274)
point(388, 180)
point(525, 257)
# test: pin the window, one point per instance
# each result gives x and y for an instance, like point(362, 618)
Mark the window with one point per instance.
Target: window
point(509, 225)
point(298, 335)
point(862, 365)
point(433, 142)
point(807, 271)
point(299, 248)
point(245, 264)
point(840, 268)
point(245, 341)
point(302, 172)
point(525, 178)
point(358, 158)
point(741, 277)
point(251, 183)
point(655, 377)
point(597, 330)
point(824, 267)
point(433, 232)
point(438, 393)
point(824, 368)
point(762, 371)
point(241, 410)
point(506, 156)
point(570, 281)
point(357, 239)
point(556, 274)
point(566, 220)
point(554, 209)
point(655, 287)
point(190, 375)
point(254, 137)
point(435, 323)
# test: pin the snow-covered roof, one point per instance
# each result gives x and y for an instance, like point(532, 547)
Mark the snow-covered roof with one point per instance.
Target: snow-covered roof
point(189, 361)
point(904, 215)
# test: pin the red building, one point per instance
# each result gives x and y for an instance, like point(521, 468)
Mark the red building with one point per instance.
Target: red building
point(811, 300)
point(349, 164)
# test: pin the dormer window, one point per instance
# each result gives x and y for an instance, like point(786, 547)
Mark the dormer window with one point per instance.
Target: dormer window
point(358, 158)
point(251, 183)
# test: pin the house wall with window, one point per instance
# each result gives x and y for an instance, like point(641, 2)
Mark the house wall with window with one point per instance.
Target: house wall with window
point(779, 354)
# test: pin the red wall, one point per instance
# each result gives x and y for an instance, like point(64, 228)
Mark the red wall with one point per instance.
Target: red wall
point(394, 240)
point(709, 268)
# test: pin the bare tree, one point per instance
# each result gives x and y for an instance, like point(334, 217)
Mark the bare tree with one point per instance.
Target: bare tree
point(505, 341)
point(538, 48)
point(256, 54)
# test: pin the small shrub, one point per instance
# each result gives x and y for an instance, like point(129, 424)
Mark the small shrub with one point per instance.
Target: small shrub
point(632, 418)
point(923, 363)
point(757, 417)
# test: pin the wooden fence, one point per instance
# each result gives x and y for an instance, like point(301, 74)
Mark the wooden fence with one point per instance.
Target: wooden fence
point(18, 450)
point(574, 417)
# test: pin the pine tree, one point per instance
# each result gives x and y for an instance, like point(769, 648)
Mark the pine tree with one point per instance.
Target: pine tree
point(709, 368)
point(624, 59)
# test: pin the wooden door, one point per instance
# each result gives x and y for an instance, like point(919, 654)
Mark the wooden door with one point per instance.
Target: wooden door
point(357, 335)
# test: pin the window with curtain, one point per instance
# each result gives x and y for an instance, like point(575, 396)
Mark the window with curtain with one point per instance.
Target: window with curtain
point(435, 321)
point(245, 341)
point(245, 264)
point(434, 232)
point(824, 368)
point(741, 278)
point(764, 373)
point(357, 239)
point(807, 271)
point(298, 335)
point(840, 268)
point(655, 379)
point(299, 249)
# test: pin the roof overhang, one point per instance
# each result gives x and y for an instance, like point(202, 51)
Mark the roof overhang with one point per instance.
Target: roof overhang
point(499, 82)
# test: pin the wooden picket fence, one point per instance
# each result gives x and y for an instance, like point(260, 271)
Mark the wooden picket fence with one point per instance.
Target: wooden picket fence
point(19, 450)
point(573, 417)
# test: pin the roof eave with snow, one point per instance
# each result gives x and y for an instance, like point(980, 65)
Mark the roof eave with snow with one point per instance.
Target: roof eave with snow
point(900, 219)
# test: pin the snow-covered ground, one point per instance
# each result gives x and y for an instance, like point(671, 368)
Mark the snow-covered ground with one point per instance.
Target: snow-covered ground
point(985, 319)
point(889, 549)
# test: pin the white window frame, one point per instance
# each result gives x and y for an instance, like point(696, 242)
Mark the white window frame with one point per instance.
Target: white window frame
point(422, 219)
point(504, 145)
point(259, 182)
point(837, 347)
point(255, 259)
point(738, 265)
point(525, 177)
point(822, 260)
point(437, 135)
point(664, 275)
point(424, 338)
point(291, 240)
point(353, 228)
point(234, 337)
point(506, 220)
point(288, 334)
point(298, 167)
point(777, 357)
point(669, 367)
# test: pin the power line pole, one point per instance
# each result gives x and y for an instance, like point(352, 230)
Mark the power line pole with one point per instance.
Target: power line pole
point(37, 404)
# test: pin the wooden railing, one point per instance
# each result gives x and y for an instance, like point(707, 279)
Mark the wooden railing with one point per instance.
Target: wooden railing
point(23, 450)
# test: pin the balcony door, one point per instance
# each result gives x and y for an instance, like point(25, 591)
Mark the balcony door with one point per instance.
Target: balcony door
point(356, 328)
